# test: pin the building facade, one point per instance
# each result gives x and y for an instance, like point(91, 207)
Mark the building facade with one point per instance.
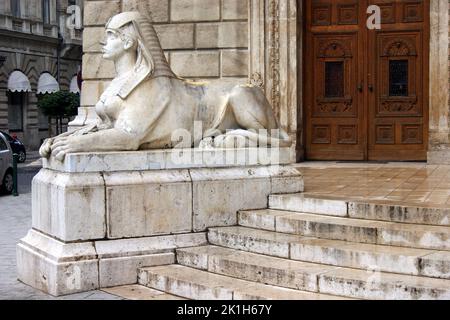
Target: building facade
point(41, 55)
point(343, 88)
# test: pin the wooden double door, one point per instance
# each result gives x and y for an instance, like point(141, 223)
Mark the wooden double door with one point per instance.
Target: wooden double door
point(366, 90)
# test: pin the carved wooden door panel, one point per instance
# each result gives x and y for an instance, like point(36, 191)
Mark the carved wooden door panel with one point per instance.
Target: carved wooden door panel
point(366, 90)
point(398, 99)
point(334, 103)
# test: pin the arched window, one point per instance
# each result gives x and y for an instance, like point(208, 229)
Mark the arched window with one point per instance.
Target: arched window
point(18, 88)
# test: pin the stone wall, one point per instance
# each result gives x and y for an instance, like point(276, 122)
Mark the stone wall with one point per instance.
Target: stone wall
point(202, 39)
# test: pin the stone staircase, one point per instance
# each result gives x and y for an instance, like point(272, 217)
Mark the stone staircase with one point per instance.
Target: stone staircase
point(306, 247)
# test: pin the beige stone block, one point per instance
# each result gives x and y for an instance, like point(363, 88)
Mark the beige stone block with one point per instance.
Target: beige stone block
point(195, 10)
point(234, 63)
point(399, 213)
point(55, 267)
point(189, 283)
point(220, 193)
point(148, 246)
point(195, 64)
point(124, 270)
point(359, 255)
point(385, 286)
point(95, 67)
point(327, 227)
point(69, 207)
point(234, 9)
point(97, 13)
point(176, 36)
point(92, 37)
point(301, 203)
point(436, 265)
point(252, 240)
point(141, 204)
point(140, 293)
point(91, 92)
point(260, 219)
point(414, 236)
point(222, 35)
point(159, 9)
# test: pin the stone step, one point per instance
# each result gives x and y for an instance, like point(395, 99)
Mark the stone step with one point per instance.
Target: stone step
point(196, 284)
point(312, 277)
point(138, 292)
point(429, 263)
point(348, 229)
point(374, 210)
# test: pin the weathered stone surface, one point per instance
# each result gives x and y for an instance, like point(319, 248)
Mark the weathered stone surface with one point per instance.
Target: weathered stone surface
point(170, 38)
point(148, 246)
point(138, 292)
point(124, 270)
point(376, 285)
point(234, 63)
point(286, 180)
point(416, 236)
point(220, 193)
point(96, 68)
point(55, 267)
point(347, 229)
point(69, 207)
point(436, 265)
point(183, 159)
point(195, 10)
point(189, 283)
point(359, 255)
point(307, 204)
point(92, 38)
point(143, 204)
point(260, 219)
point(97, 13)
point(253, 240)
point(399, 213)
point(332, 252)
point(222, 35)
point(261, 269)
point(201, 285)
point(234, 9)
point(159, 8)
point(92, 90)
point(196, 64)
point(317, 226)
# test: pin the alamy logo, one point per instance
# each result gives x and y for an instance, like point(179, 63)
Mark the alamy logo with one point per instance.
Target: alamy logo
point(74, 19)
point(374, 21)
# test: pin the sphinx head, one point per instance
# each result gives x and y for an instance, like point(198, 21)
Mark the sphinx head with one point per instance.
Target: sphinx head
point(130, 33)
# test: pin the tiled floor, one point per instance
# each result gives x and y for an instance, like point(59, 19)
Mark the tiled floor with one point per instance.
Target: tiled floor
point(412, 183)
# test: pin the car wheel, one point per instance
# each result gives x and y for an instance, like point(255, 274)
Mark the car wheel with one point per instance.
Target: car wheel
point(8, 183)
point(22, 157)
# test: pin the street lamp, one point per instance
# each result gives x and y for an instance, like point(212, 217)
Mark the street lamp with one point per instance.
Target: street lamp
point(2, 61)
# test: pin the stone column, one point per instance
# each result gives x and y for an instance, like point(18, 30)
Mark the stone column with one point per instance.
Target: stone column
point(439, 83)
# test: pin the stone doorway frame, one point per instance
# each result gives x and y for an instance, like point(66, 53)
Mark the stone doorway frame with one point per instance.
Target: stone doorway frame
point(276, 63)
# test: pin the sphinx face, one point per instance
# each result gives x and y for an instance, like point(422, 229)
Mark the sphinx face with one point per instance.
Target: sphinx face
point(113, 47)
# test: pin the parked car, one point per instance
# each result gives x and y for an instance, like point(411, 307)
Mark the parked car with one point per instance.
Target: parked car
point(17, 147)
point(6, 166)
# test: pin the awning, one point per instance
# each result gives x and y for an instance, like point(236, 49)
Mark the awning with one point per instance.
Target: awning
point(74, 85)
point(47, 84)
point(18, 82)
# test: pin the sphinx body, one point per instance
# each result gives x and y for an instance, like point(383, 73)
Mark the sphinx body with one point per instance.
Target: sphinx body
point(147, 105)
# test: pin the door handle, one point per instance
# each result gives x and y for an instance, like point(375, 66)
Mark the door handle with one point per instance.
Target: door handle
point(360, 87)
point(371, 87)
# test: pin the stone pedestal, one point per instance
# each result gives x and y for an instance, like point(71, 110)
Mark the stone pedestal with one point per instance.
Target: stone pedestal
point(97, 218)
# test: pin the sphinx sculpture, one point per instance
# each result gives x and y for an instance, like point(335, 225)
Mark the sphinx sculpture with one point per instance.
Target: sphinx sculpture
point(146, 103)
